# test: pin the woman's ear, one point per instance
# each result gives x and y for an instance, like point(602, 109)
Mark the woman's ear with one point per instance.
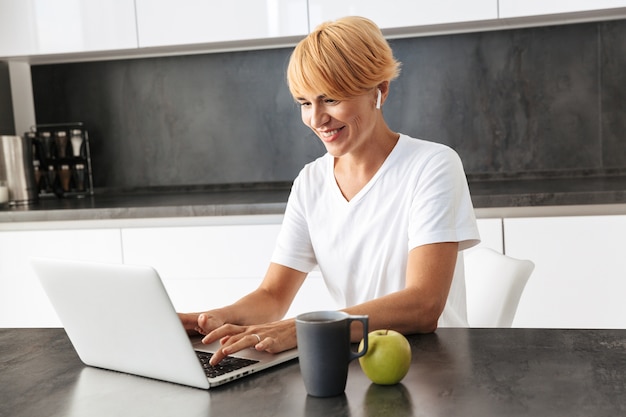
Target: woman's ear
point(382, 92)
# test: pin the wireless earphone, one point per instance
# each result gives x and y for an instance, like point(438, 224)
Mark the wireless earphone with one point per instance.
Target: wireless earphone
point(378, 99)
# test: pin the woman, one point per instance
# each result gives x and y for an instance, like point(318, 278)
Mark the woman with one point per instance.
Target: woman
point(382, 215)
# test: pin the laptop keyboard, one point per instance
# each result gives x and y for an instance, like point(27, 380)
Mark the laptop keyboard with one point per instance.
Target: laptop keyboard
point(227, 364)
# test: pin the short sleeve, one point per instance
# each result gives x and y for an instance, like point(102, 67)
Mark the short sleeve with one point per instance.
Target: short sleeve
point(293, 247)
point(441, 207)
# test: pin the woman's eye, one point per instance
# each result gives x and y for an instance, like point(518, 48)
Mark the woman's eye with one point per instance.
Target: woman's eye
point(325, 101)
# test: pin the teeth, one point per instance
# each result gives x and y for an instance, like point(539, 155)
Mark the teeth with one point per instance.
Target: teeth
point(329, 133)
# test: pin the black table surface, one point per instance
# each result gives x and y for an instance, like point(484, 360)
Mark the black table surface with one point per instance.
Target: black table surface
point(454, 372)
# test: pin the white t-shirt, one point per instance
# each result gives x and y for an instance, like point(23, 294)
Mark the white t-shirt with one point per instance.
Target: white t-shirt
point(418, 196)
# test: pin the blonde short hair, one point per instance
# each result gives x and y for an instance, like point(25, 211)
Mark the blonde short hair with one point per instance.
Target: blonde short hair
point(341, 59)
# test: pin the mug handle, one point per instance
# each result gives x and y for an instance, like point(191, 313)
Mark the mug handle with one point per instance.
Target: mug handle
point(364, 322)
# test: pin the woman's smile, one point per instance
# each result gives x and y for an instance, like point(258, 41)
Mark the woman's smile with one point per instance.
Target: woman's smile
point(330, 135)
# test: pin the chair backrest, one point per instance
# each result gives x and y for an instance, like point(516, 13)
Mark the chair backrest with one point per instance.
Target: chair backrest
point(494, 284)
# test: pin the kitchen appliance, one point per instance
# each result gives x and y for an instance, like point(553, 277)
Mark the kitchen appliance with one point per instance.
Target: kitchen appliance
point(16, 167)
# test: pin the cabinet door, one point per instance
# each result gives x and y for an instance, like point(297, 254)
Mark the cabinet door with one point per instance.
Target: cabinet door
point(169, 22)
point(18, 34)
point(404, 13)
point(490, 233)
point(516, 8)
point(23, 302)
point(580, 270)
point(192, 295)
point(206, 267)
point(202, 252)
point(203, 267)
point(48, 27)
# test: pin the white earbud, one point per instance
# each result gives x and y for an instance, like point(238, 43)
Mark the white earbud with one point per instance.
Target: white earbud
point(378, 99)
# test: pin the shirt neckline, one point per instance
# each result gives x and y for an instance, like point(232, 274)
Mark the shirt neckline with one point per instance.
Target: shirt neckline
point(367, 187)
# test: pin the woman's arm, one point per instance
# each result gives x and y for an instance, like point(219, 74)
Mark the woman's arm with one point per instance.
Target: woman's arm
point(416, 308)
point(270, 301)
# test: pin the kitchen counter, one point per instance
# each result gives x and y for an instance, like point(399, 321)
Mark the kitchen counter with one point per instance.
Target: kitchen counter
point(218, 201)
point(454, 372)
point(503, 195)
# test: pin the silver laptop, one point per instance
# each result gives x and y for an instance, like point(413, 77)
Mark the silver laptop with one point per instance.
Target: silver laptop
point(119, 317)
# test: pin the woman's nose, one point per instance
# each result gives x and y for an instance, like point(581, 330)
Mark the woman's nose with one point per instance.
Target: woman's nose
point(319, 117)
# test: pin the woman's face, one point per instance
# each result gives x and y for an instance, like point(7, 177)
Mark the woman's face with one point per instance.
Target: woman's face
point(344, 126)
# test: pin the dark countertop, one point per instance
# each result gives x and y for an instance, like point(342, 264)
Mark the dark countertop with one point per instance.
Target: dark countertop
point(154, 204)
point(271, 199)
point(454, 372)
point(548, 191)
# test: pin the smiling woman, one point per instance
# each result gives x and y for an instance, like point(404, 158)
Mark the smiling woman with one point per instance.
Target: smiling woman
point(381, 214)
point(340, 76)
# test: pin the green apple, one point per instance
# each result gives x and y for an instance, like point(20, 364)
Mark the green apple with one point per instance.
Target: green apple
point(388, 357)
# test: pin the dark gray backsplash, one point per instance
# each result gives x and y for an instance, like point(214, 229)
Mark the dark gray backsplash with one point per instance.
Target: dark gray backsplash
point(186, 120)
point(7, 126)
point(512, 101)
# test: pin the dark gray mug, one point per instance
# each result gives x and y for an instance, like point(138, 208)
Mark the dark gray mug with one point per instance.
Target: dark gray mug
point(324, 350)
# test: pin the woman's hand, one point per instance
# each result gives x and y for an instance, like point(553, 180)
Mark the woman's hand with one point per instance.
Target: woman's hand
point(267, 304)
point(271, 337)
point(201, 323)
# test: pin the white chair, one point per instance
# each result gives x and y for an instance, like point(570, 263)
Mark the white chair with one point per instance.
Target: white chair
point(494, 285)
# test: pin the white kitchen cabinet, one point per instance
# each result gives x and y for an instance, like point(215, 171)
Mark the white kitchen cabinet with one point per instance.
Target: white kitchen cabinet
point(404, 13)
point(579, 279)
point(18, 34)
point(490, 234)
point(201, 252)
point(206, 267)
point(172, 22)
point(23, 302)
point(516, 8)
point(65, 26)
